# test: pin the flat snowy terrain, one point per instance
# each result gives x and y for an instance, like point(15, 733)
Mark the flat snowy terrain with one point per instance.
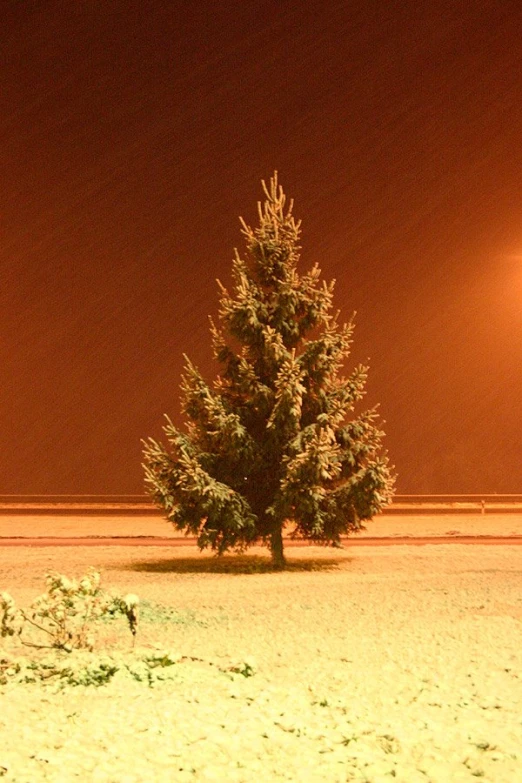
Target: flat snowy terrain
point(373, 664)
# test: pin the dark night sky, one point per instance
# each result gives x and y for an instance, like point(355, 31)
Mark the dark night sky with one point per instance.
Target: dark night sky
point(133, 134)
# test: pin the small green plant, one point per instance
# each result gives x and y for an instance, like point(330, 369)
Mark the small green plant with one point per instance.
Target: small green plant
point(63, 621)
point(69, 672)
point(64, 616)
point(91, 669)
point(246, 668)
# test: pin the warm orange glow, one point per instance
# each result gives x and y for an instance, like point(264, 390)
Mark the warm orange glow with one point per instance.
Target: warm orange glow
point(133, 138)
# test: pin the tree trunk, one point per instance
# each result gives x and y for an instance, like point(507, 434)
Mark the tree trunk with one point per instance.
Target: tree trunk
point(276, 548)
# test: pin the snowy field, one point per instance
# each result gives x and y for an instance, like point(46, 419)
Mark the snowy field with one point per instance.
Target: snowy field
point(153, 524)
point(373, 664)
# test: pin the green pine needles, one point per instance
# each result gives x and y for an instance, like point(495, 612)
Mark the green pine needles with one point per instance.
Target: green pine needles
point(273, 442)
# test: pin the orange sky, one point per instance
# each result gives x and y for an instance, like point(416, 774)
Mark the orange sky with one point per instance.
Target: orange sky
point(134, 134)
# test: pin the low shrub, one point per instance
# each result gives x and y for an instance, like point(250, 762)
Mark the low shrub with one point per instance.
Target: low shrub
point(64, 617)
point(63, 622)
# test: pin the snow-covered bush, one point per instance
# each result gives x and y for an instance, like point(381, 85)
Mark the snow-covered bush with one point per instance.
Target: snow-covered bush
point(64, 617)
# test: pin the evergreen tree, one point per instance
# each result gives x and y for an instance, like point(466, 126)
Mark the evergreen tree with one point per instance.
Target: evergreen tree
point(269, 442)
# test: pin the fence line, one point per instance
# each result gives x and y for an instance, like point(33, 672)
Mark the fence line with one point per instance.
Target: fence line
point(142, 504)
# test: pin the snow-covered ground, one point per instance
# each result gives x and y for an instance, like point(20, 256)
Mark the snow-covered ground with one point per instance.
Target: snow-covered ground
point(153, 524)
point(373, 664)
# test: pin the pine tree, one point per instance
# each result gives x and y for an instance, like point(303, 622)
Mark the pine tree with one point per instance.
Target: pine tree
point(271, 441)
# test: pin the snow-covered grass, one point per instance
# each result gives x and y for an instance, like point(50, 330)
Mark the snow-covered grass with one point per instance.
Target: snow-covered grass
point(372, 664)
